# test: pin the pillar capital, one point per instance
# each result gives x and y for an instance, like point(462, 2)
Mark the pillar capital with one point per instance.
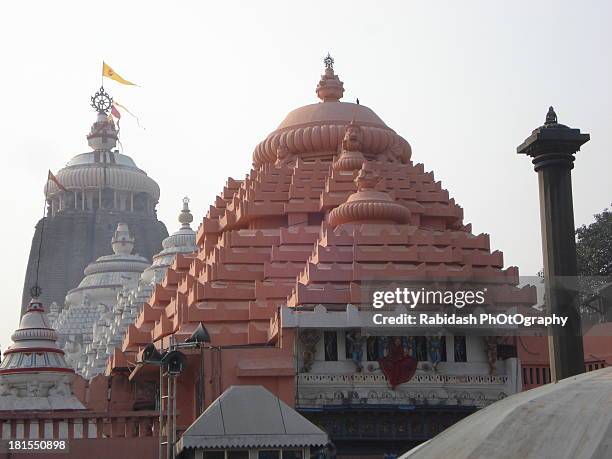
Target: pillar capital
point(553, 144)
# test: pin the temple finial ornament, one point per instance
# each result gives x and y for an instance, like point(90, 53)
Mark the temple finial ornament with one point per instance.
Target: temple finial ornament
point(101, 101)
point(351, 157)
point(283, 156)
point(185, 217)
point(328, 61)
point(330, 88)
point(551, 117)
point(367, 178)
point(353, 137)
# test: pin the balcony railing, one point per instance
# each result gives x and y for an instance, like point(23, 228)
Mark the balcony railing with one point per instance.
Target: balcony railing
point(79, 425)
point(535, 375)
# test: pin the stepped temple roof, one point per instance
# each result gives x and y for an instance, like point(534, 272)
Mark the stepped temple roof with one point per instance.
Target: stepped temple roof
point(90, 305)
point(111, 271)
point(34, 374)
point(130, 300)
point(332, 204)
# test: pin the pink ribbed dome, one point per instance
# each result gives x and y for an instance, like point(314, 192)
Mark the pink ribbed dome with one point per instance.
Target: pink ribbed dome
point(317, 130)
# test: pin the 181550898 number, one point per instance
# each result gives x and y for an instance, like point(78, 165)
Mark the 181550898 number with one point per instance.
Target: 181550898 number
point(40, 445)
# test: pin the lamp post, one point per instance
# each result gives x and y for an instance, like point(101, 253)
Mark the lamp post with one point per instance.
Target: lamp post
point(552, 147)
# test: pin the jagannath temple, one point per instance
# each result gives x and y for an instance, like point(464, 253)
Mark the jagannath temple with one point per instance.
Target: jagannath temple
point(86, 201)
point(333, 204)
point(271, 294)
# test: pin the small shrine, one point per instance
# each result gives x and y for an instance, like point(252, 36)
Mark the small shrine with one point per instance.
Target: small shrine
point(34, 375)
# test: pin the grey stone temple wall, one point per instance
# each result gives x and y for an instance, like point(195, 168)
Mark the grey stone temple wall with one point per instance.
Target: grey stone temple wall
point(73, 239)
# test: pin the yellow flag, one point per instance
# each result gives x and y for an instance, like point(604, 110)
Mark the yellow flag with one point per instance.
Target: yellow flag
point(108, 72)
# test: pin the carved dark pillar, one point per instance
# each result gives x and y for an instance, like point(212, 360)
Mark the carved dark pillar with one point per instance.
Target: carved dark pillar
point(552, 147)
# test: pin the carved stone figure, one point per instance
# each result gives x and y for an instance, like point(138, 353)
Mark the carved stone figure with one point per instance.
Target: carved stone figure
point(282, 156)
point(5, 389)
point(309, 338)
point(353, 138)
point(60, 388)
point(356, 340)
point(434, 345)
point(490, 345)
point(34, 389)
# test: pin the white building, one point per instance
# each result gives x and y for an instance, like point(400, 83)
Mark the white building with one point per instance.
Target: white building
point(34, 374)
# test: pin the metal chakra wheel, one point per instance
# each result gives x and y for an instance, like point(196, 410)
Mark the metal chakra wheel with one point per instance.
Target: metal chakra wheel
point(328, 61)
point(102, 101)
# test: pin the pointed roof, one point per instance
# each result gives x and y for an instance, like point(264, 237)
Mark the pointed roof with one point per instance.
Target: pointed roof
point(34, 374)
point(34, 335)
point(251, 417)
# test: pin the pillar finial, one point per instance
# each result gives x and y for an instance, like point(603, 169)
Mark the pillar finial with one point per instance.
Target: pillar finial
point(551, 117)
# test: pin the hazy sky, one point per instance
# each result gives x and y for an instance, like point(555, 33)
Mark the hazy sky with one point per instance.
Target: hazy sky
point(464, 82)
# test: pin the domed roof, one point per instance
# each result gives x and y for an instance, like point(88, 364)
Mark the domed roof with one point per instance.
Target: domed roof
point(89, 158)
point(116, 270)
point(316, 130)
point(35, 347)
point(103, 167)
point(34, 374)
point(332, 112)
point(182, 241)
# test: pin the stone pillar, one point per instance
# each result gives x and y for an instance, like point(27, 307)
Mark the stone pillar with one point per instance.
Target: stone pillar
point(552, 147)
point(132, 202)
point(76, 199)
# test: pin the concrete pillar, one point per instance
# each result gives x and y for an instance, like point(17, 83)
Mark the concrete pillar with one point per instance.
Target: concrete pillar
point(552, 147)
point(48, 429)
point(100, 198)
point(20, 429)
point(77, 428)
point(6, 430)
point(76, 200)
point(33, 433)
point(131, 202)
point(63, 429)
